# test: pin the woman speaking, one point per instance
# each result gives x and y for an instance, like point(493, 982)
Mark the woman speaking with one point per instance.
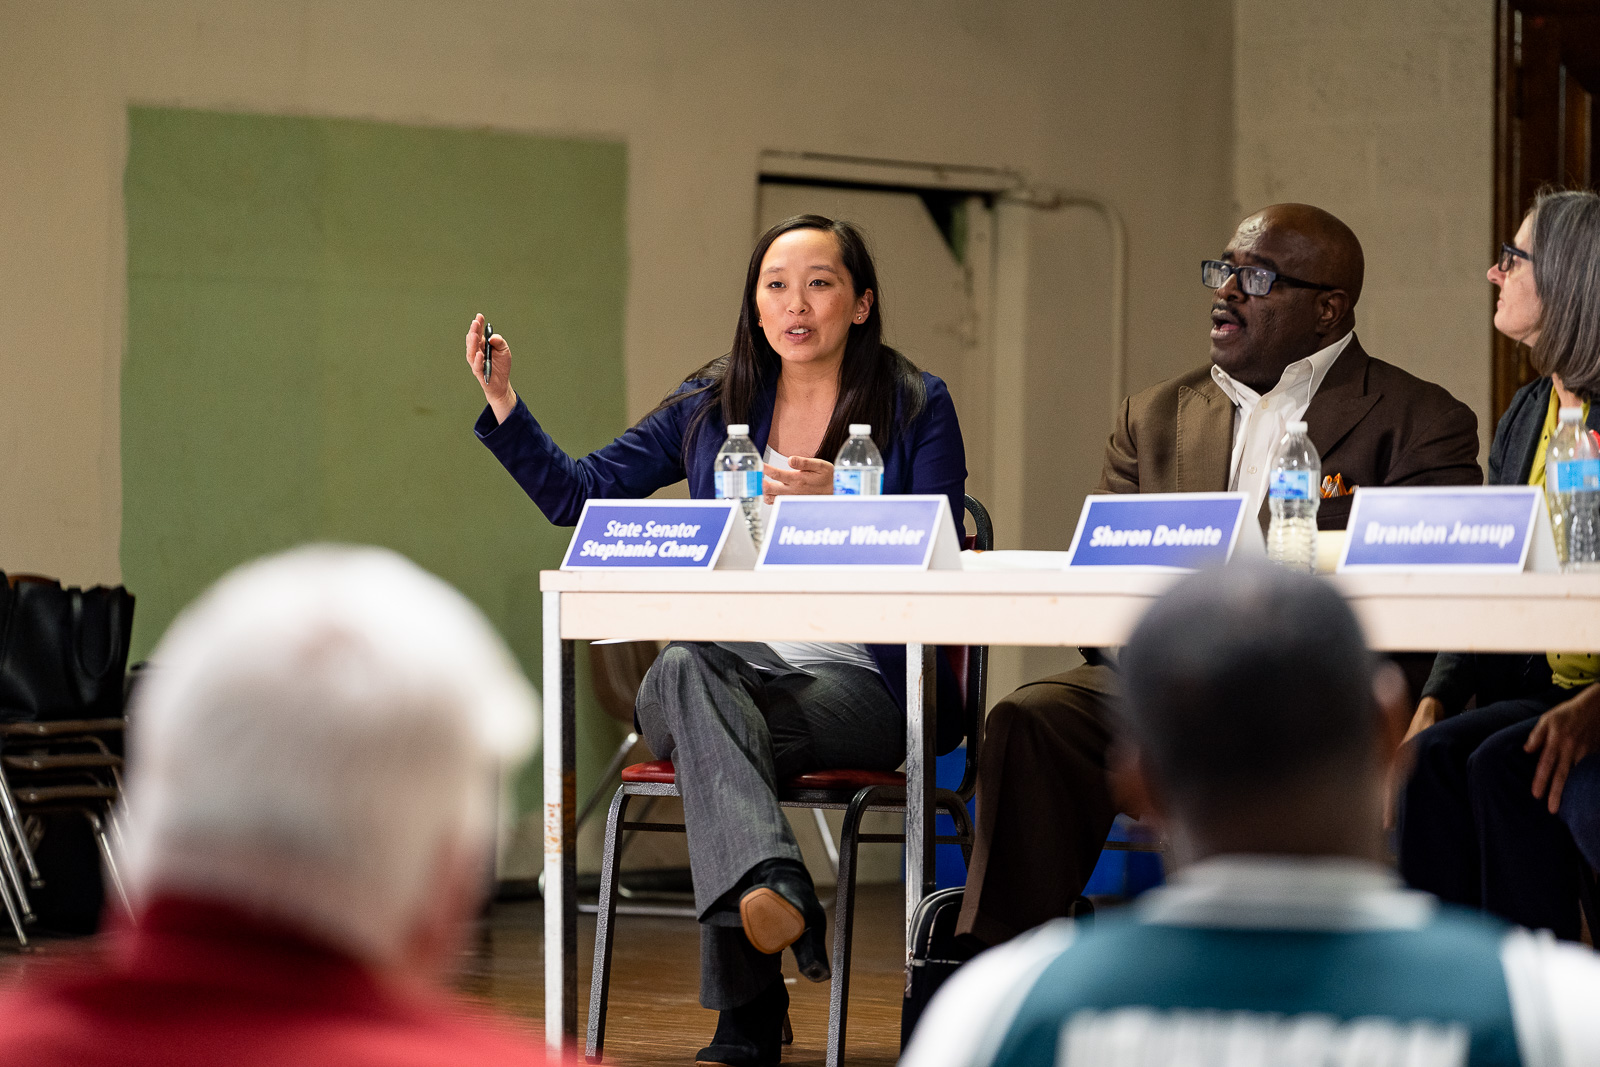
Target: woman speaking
point(808, 359)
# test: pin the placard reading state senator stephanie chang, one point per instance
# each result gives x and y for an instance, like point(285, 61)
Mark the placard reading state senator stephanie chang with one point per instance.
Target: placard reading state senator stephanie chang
point(1157, 531)
point(639, 534)
point(1450, 528)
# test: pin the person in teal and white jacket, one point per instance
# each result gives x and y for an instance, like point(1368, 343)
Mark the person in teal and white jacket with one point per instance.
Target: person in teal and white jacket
point(1259, 730)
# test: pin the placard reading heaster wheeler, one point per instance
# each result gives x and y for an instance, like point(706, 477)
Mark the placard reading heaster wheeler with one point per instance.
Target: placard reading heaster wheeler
point(1157, 530)
point(860, 531)
point(1442, 528)
point(627, 534)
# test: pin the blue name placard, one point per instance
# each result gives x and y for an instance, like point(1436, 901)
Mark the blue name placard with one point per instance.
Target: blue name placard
point(880, 532)
point(1157, 531)
point(632, 534)
point(1468, 528)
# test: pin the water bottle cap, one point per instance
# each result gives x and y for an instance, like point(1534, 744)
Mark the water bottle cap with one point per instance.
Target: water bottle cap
point(860, 429)
point(1297, 427)
point(1571, 415)
point(739, 429)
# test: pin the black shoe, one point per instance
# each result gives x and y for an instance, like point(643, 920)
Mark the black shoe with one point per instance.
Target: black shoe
point(780, 909)
point(750, 1035)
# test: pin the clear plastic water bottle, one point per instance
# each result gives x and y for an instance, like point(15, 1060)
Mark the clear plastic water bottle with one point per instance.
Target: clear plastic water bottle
point(858, 469)
point(1572, 491)
point(737, 474)
point(1294, 490)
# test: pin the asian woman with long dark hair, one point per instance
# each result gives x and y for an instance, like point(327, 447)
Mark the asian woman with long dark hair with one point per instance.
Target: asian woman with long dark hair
point(808, 359)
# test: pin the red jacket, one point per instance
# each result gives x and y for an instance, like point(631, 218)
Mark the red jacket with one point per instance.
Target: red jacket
point(194, 983)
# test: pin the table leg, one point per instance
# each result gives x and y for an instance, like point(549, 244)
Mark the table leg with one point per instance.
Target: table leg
point(560, 837)
point(921, 731)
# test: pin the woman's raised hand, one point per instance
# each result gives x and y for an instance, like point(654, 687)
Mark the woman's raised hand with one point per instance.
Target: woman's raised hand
point(809, 477)
point(497, 390)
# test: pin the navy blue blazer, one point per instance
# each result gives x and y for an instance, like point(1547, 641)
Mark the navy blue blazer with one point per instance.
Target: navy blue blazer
point(1495, 676)
point(928, 457)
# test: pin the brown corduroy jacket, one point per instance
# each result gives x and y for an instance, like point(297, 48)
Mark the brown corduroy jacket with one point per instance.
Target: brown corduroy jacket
point(1371, 422)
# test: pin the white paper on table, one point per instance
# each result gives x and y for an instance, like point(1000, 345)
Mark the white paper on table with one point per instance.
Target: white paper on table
point(1014, 560)
point(1330, 547)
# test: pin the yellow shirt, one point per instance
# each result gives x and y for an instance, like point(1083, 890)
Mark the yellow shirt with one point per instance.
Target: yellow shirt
point(1569, 670)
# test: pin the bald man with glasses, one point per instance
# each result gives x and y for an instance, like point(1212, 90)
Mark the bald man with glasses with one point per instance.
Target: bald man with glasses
point(1283, 349)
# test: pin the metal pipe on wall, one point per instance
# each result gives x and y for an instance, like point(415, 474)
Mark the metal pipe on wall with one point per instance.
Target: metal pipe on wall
point(1046, 199)
point(1009, 354)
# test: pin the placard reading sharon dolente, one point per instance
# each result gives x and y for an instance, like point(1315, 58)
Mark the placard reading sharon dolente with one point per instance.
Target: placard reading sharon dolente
point(646, 534)
point(1176, 530)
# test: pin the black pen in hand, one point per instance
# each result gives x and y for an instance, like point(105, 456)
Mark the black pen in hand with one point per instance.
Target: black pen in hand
point(488, 351)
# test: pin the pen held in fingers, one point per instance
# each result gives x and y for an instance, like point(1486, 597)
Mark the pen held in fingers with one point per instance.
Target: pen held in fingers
point(488, 351)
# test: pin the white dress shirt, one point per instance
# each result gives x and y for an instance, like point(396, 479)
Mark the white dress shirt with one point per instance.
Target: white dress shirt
point(1260, 420)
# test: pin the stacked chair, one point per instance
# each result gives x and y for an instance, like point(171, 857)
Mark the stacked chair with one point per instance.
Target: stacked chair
point(855, 792)
point(63, 683)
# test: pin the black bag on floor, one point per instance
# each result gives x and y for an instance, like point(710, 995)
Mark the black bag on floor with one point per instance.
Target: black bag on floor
point(934, 954)
point(63, 652)
point(73, 897)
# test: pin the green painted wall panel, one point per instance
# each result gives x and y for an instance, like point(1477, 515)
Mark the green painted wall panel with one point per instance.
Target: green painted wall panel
point(297, 293)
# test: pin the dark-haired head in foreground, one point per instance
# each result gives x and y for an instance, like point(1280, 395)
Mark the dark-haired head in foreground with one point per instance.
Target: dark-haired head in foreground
point(1253, 717)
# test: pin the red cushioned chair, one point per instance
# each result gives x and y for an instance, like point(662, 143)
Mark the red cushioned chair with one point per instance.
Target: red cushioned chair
point(856, 792)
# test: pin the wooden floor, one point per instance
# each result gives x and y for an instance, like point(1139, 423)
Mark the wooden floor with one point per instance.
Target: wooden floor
point(655, 1017)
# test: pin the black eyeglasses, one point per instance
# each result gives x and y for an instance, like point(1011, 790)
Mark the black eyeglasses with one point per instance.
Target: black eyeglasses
point(1253, 281)
point(1509, 254)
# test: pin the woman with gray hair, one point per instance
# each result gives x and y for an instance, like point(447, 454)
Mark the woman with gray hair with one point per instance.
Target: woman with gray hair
point(313, 778)
point(1505, 799)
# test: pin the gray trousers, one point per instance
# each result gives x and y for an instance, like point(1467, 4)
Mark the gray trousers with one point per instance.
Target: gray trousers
point(734, 731)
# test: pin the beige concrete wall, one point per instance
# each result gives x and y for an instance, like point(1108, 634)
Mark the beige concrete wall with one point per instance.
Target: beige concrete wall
point(1104, 96)
point(1175, 214)
point(1383, 113)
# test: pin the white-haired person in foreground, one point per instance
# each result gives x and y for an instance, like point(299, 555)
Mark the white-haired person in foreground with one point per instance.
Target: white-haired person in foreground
point(1258, 730)
point(314, 769)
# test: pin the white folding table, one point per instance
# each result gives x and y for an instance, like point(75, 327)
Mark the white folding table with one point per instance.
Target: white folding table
point(1400, 612)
